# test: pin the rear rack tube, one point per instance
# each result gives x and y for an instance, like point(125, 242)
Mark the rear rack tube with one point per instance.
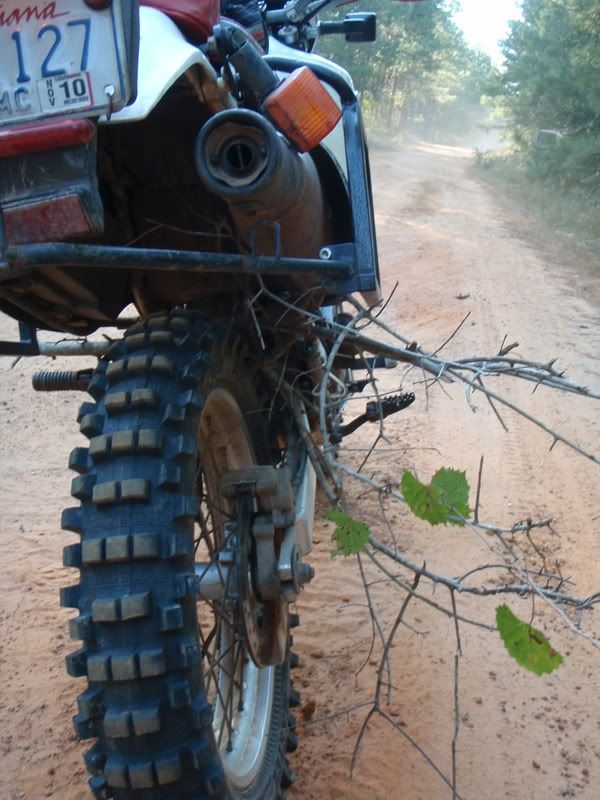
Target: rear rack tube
point(23, 258)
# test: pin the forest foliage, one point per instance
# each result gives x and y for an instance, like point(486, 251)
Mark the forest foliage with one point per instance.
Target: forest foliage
point(551, 81)
point(552, 68)
point(421, 77)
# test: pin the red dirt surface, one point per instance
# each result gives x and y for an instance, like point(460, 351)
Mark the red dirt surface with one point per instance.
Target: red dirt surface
point(453, 249)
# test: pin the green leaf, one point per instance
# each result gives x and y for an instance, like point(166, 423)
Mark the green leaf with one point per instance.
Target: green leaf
point(453, 487)
point(350, 535)
point(527, 645)
point(442, 501)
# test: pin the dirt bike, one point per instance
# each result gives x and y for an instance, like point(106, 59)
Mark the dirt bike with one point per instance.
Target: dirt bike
point(216, 177)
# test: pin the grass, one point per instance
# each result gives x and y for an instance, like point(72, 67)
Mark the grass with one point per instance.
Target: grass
point(570, 208)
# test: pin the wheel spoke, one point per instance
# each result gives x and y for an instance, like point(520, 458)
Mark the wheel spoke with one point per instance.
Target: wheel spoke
point(232, 684)
point(222, 704)
point(240, 692)
point(219, 662)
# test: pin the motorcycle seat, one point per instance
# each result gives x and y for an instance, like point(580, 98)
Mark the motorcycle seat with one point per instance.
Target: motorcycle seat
point(196, 18)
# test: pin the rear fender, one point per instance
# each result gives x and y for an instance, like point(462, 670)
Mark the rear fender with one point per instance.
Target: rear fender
point(165, 55)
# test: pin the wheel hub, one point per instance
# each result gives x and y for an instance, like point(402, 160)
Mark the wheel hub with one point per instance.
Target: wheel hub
point(243, 634)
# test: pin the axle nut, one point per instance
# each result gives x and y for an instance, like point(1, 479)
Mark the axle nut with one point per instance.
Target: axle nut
point(304, 573)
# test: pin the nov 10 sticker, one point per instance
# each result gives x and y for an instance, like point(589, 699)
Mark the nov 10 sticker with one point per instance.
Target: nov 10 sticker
point(66, 91)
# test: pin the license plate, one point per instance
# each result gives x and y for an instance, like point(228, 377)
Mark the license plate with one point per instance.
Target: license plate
point(61, 58)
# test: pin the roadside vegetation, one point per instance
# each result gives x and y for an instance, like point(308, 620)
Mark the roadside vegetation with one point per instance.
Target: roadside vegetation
point(565, 204)
point(549, 94)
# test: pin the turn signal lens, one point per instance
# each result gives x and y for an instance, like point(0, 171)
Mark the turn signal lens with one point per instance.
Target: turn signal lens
point(303, 109)
point(49, 135)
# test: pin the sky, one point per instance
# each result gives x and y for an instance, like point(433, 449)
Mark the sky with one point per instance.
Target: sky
point(485, 22)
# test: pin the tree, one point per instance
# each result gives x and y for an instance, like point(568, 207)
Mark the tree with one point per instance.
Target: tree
point(551, 82)
point(552, 62)
point(420, 74)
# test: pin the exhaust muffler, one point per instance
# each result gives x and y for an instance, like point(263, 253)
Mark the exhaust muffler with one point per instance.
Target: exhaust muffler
point(267, 185)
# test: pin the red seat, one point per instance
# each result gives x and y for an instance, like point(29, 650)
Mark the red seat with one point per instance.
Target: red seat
point(196, 18)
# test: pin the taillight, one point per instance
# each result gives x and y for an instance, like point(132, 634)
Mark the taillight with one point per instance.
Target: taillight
point(20, 140)
point(303, 109)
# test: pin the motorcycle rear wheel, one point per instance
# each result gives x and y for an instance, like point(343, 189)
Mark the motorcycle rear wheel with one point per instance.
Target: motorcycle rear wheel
point(176, 705)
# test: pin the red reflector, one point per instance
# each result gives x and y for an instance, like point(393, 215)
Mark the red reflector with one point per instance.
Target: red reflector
point(48, 135)
point(47, 220)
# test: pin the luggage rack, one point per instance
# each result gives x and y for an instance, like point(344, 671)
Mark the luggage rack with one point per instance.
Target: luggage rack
point(334, 264)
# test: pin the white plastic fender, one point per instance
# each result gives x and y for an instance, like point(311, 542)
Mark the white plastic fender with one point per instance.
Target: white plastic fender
point(165, 54)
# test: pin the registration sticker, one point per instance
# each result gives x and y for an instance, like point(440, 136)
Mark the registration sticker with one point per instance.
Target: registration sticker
point(66, 92)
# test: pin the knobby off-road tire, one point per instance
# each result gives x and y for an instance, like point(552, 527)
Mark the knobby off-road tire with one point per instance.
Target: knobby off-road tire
point(139, 484)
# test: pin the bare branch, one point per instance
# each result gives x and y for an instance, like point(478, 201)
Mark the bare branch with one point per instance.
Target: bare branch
point(453, 334)
point(456, 727)
point(509, 563)
point(478, 492)
point(456, 628)
point(376, 625)
point(421, 752)
point(471, 371)
point(363, 729)
point(392, 634)
point(521, 589)
point(427, 600)
point(301, 723)
point(387, 490)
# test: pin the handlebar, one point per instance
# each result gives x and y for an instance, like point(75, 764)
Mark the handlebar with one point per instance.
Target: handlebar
point(296, 12)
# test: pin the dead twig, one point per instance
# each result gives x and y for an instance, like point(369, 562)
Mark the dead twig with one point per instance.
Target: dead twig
point(521, 589)
point(456, 727)
point(478, 492)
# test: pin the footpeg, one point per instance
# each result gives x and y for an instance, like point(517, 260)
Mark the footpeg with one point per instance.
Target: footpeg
point(375, 411)
point(63, 381)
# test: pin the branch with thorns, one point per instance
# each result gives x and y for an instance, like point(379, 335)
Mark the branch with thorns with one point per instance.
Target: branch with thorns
point(471, 371)
point(474, 373)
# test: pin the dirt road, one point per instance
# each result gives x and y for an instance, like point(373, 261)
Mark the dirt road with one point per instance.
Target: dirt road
point(453, 250)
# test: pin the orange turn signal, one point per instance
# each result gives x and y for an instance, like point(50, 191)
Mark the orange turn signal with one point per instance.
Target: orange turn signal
point(303, 109)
